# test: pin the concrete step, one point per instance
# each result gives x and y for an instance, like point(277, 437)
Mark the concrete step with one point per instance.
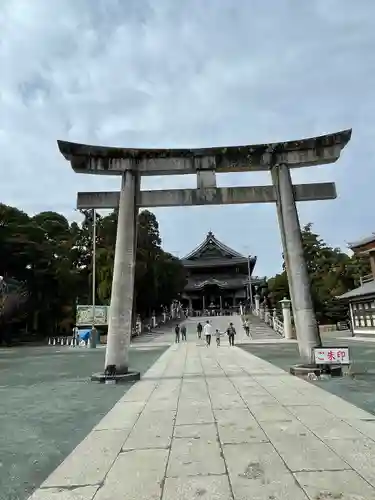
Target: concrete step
point(260, 330)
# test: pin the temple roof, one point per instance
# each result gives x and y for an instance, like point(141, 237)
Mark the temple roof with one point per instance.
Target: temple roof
point(217, 262)
point(364, 242)
point(212, 245)
point(199, 283)
point(213, 253)
point(363, 290)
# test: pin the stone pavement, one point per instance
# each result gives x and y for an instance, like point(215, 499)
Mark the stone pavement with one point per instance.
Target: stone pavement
point(259, 331)
point(219, 423)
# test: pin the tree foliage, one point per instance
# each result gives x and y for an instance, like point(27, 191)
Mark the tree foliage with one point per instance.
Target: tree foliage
point(13, 298)
point(46, 263)
point(332, 273)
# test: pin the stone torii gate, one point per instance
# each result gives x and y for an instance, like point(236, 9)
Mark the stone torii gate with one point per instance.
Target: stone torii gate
point(131, 164)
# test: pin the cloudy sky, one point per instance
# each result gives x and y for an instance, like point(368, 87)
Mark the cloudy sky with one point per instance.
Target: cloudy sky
point(174, 73)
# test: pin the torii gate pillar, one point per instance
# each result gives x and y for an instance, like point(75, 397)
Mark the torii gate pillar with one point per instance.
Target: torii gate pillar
point(295, 264)
point(122, 292)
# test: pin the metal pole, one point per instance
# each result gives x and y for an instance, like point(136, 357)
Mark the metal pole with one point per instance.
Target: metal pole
point(250, 287)
point(93, 340)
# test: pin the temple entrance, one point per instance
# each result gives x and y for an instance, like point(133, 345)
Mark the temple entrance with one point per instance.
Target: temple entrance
point(212, 301)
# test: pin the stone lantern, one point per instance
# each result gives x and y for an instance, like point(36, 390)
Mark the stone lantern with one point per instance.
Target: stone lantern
point(287, 318)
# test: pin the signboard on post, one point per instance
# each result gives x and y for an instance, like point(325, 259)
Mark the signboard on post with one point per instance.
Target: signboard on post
point(84, 315)
point(332, 355)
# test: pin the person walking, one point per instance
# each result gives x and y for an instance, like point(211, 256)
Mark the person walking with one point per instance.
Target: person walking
point(246, 326)
point(75, 336)
point(231, 333)
point(199, 330)
point(217, 335)
point(207, 331)
point(183, 332)
point(177, 332)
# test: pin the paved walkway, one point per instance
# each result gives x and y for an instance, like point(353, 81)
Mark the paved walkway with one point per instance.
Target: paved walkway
point(259, 331)
point(218, 423)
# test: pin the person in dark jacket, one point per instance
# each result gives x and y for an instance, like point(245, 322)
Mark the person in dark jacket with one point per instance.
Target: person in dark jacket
point(177, 332)
point(231, 331)
point(183, 332)
point(199, 330)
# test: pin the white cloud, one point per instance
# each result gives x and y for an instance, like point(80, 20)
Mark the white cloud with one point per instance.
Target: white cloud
point(177, 74)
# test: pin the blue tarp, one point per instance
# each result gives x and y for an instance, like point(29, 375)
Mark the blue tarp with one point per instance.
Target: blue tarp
point(84, 335)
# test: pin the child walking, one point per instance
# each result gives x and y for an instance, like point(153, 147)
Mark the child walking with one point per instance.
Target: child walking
point(217, 335)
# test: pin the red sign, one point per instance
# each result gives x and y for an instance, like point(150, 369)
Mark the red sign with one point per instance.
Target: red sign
point(332, 355)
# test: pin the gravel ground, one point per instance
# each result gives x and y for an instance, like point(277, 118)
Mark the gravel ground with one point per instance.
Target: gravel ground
point(48, 405)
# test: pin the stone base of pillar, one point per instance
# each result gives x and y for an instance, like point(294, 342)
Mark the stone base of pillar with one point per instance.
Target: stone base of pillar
point(116, 379)
point(305, 371)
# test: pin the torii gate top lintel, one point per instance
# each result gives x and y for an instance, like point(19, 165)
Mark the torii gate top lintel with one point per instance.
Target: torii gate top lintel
point(301, 153)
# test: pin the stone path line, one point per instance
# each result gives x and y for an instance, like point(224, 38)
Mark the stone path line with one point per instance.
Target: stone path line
point(216, 424)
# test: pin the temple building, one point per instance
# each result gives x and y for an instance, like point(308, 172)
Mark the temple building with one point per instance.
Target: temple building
point(361, 300)
point(218, 277)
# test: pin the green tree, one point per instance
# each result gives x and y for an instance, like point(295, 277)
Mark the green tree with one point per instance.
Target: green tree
point(13, 298)
point(332, 273)
point(159, 276)
point(277, 288)
point(52, 259)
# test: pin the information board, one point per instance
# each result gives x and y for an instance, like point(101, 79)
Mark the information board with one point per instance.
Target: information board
point(332, 355)
point(84, 315)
